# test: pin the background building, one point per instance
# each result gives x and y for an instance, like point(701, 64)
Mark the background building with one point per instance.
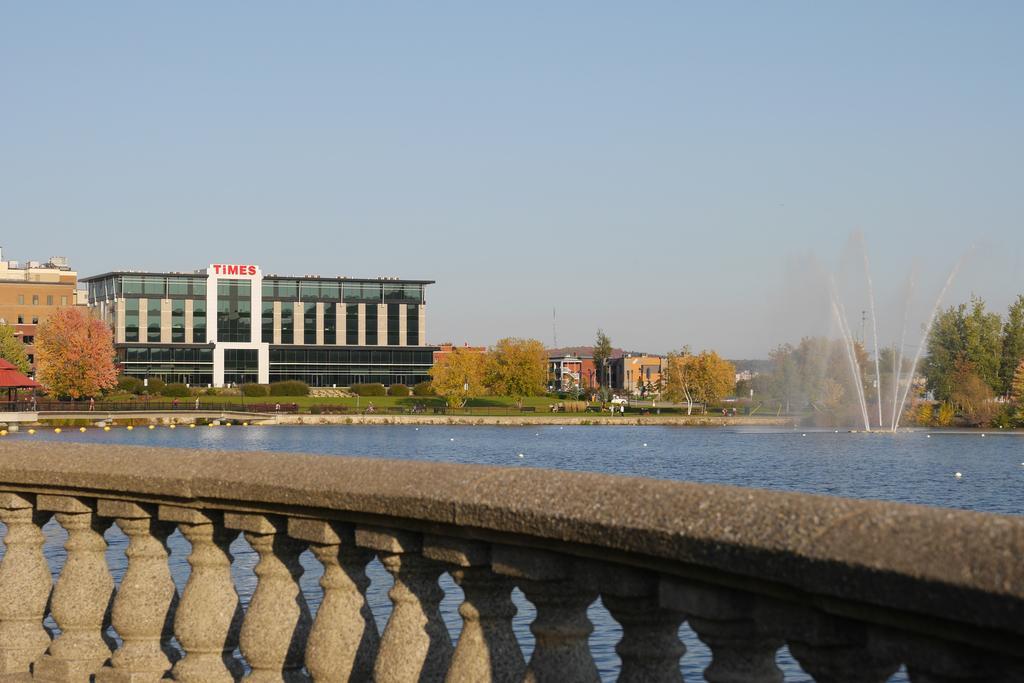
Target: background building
point(442, 350)
point(569, 372)
point(31, 291)
point(637, 374)
point(230, 324)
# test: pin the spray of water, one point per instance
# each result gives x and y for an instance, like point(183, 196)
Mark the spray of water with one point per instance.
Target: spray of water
point(874, 325)
point(851, 355)
point(898, 368)
point(924, 338)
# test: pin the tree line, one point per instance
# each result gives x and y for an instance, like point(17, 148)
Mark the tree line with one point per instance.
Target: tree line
point(512, 367)
point(973, 366)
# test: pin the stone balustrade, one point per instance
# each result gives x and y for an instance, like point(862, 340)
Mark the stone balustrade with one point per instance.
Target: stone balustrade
point(854, 589)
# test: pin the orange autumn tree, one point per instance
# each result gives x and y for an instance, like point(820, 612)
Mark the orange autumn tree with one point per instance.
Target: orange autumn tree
point(74, 354)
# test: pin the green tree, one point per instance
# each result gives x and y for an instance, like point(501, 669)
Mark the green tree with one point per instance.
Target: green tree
point(602, 353)
point(12, 350)
point(972, 395)
point(1013, 344)
point(1017, 385)
point(458, 375)
point(964, 334)
point(516, 367)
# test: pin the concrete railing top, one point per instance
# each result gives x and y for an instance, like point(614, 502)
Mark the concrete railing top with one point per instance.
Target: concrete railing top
point(848, 556)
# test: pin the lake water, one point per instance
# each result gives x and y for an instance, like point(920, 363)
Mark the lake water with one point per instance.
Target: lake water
point(913, 467)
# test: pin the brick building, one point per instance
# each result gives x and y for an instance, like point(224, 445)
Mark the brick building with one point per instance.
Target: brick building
point(31, 291)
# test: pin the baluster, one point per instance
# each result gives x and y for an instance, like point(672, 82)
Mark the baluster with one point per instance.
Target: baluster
point(144, 605)
point(650, 648)
point(416, 645)
point(487, 649)
point(343, 641)
point(742, 650)
point(25, 585)
point(836, 650)
point(81, 596)
point(561, 628)
point(934, 661)
point(209, 616)
point(277, 622)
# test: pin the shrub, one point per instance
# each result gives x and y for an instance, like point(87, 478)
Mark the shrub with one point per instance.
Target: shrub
point(423, 389)
point(369, 390)
point(398, 390)
point(925, 414)
point(154, 385)
point(289, 387)
point(129, 385)
point(944, 418)
point(255, 390)
point(175, 389)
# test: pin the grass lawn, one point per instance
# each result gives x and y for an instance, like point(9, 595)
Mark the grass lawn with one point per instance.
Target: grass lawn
point(538, 402)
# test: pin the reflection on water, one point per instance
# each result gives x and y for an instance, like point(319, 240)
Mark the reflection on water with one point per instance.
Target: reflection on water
point(907, 467)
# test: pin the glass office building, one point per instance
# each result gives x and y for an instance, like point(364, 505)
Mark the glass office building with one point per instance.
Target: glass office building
point(230, 324)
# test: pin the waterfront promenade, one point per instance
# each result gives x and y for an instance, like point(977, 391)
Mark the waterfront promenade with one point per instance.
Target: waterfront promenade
point(853, 588)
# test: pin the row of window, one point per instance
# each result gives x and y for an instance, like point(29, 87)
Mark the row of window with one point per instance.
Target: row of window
point(36, 300)
point(165, 354)
point(198, 376)
point(274, 289)
point(234, 321)
point(320, 356)
point(279, 356)
point(154, 318)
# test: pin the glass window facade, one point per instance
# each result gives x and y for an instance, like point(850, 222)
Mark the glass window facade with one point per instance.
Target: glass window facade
point(186, 364)
point(241, 366)
point(131, 320)
point(393, 325)
point(267, 321)
point(362, 292)
point(412, 325)
point(287, 323)
point(152, 349)
point(352, 324)
point(178, 321)
point(371, 324)
point(153, 320)
point(330, 323)
point(309, 323)
point(199, 321)
point(324, 367)
point(234, 310)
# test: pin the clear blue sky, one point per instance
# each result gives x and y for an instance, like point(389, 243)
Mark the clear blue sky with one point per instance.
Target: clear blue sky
point(666, 171)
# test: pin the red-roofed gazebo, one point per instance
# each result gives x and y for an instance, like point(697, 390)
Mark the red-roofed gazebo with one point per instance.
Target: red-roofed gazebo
point(12, 380)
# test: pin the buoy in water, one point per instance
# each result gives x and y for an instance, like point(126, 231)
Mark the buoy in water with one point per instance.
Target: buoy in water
point(81, 429)
point(645, 445)
point(520, 455)
point(31, 431)
point(192, 426)
point(56, 430)
point(129, 428)
point(3, 432)
point(452, 439)
point(171, 426)
point(152, 426)
point(958, 475)
point(106, 429)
